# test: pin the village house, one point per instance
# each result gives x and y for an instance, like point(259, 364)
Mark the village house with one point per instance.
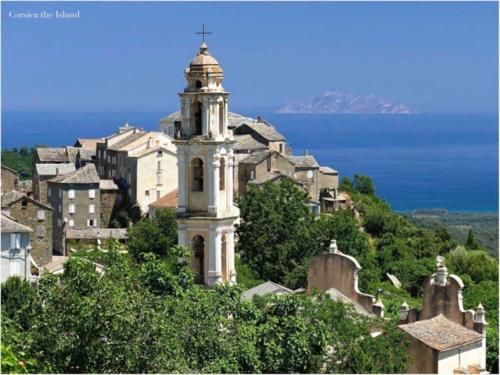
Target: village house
point(35, 215)
point(444, 337)
point(75, 199)
point(10, 179)
point(112, 200)
point(43, 172)
point(16, 249)
point(144, 163)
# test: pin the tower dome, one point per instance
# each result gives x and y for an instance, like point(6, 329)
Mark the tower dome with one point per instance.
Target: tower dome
point(204, 73)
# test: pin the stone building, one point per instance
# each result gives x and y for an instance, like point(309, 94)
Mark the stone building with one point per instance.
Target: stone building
point(44, 172)
point(112, 200)
point(10, 179)
point(75, 199)
point(444, 337)
point(307, 172)
point(264, 133)
point(35, 215)
point(262, 166)
point(145, 163)
point(16, 249)
point(206, 214)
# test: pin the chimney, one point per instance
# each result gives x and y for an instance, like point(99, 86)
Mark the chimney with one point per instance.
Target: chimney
point(403, 311)
point(259, 118)
point(306, 153)
point(57, 171)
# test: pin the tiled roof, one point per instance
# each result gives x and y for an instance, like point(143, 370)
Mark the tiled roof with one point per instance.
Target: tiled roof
point(247, 142)
point(53, 169)
point(86, 153)
point(441, 333)
point(88, 143)
point(169, 200)
point(72, 152)
point(52, 154)
point(234, 119)
point(266, 130)
point(265, 288)
point(10, 225)
point(85, 175)
point(306, 161)
point(337, 295)
point(256, 157)
point(96, 233)
point(13, 196)
point(108, 185)
point(328, 170)
point(127, 140)
point(272, 176)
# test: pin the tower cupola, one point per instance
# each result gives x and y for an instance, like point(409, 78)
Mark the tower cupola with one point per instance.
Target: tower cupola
point(204, 73)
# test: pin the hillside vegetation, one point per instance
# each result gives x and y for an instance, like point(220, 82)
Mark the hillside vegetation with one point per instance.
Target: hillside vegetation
point(484, 225)
point(19, 160)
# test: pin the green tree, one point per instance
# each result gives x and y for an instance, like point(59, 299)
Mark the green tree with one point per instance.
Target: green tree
point(363, 184)
point(471, 242)
point(156, 235)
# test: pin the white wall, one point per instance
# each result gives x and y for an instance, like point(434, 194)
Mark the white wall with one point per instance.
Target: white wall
point(13, 261)
point(471, 354)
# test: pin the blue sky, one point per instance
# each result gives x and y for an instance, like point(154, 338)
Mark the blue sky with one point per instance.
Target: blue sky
point(434, 57)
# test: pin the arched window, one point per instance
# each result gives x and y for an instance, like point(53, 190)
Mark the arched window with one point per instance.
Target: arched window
point(222, 174)
point(198, 84)
point(199, 258)
point(196, 123)
point(197, 167)
point(221, 118)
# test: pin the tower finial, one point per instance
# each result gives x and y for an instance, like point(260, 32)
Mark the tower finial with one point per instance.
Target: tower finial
point(203, 33)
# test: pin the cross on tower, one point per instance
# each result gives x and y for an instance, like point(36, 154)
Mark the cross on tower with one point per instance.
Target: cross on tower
point(203, 32)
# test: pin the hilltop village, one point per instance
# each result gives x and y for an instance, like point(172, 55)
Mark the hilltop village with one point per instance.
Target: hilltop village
point(197, 164)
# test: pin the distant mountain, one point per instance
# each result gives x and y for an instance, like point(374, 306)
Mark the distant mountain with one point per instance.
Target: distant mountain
point(337, 102)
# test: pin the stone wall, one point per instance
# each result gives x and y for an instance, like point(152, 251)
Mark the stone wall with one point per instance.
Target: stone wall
point(111, 202)
point(26, 212)
point(10, 180)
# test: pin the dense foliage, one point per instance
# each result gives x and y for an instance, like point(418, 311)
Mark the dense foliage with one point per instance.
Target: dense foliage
point(382, 241)
point(19, 160)
point(150, 318)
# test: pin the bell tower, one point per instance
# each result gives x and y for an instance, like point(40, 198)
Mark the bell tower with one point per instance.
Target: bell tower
point(206, 214)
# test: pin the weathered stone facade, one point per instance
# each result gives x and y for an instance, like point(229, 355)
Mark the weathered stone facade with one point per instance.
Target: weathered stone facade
point(10, 179)
point(112, 199)
point(37, 216)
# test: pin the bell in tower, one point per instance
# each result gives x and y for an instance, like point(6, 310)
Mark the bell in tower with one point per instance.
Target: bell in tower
point(206, 214)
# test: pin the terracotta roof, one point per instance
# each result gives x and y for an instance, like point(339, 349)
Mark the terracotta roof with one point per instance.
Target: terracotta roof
point(53, 169)
point(96, 233)
point(169, 200)
point(265, 288)
point(10, 225)
point(306, 161)
point(328, 170)
point(247, 142)
point(256, 157)
point(85, 175)
point(441, 333)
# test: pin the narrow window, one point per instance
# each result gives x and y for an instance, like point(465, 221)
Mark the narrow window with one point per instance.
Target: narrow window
point(41, 215)
point(197, 167)
point(71, 208)
point(222, 174)
point(199, 258)
point(197, 119)
point(24, 203)
point(91, 209)
point(49, 192)
point(221, 118)
point(91, 193)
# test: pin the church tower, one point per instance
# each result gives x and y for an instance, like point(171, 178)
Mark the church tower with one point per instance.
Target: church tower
point(206, 214)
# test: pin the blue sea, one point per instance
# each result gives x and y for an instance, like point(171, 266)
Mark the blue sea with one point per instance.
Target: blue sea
point(416, 161)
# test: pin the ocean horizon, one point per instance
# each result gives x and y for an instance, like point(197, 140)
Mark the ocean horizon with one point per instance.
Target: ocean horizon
point(416, 161)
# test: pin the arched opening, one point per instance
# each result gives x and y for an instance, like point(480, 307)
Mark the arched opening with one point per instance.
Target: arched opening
point(196, 125)
point(198, 84)
point(221, 118)
point(222, 174)
point(197, 167)
point(199, 258)
point(224, 258)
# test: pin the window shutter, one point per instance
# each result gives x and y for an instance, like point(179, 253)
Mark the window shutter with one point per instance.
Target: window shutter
point(41, 214)
point(91, 209)
point(92, 193)
point(12, 240)
point(71, 194)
